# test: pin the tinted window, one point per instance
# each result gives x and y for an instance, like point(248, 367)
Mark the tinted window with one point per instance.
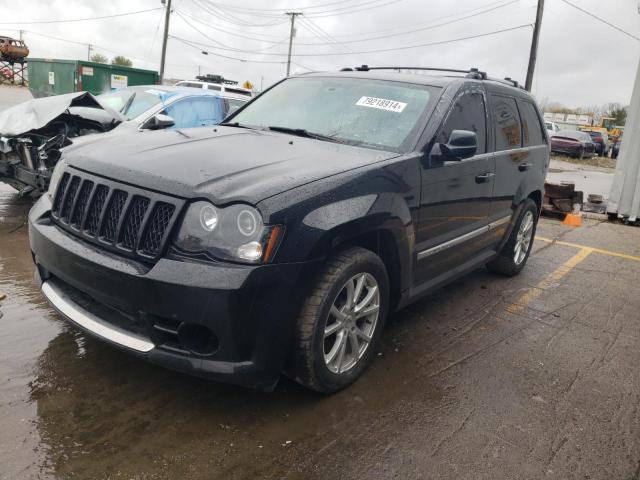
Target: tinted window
point(468, 113)
point(506, 122)
point(190, 84)
point(531, 128)
point(195, 112)
point(214, 87)
point(235, 90)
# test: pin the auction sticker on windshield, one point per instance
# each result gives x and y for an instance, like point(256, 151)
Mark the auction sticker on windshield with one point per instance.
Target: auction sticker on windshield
point(382, 104)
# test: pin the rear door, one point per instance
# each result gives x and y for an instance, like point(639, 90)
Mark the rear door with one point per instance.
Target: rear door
point(521, 151)
point(456, 195)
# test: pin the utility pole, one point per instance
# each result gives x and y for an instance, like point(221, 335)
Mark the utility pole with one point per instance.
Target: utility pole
point(293, 16)
point(21, 32)
point(164, 38)
point(89, 52)
point(534, 46)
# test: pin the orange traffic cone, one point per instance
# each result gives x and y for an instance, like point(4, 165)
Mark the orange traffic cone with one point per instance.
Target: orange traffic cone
point(573, 220)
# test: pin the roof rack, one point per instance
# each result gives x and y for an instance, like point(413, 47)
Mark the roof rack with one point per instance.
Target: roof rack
point(471, 73)
point(209, 78)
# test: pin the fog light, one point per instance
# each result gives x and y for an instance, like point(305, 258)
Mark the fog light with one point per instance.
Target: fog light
point(197, 339)
point(251, 251)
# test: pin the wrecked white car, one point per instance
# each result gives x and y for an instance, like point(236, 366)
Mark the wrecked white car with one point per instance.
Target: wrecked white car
point(33, 133)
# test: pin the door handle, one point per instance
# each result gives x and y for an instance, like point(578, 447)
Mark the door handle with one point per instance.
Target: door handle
point(485, 177)
point(523, 167)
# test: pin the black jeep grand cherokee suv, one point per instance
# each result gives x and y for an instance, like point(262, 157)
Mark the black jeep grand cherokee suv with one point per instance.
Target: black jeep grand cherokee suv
point(281, 240)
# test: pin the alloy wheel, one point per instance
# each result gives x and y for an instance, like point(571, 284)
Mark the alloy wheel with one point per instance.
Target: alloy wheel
point(523, 239)
point(351, 323)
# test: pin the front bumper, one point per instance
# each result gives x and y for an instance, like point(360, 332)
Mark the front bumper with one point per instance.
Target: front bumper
point(142, 308)
point(571, 151)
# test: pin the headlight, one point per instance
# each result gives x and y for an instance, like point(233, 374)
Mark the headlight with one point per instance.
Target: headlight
point(234, 233)
point(56, 175)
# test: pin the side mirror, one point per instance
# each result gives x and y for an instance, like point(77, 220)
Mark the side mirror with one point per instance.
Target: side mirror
point(461, 144)
point(158, 122)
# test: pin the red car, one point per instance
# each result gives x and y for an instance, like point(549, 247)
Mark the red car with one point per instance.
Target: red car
point(573, 143)
point(7, 73)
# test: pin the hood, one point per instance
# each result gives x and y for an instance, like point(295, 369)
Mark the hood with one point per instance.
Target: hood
point(39, 112)
point(224, 164)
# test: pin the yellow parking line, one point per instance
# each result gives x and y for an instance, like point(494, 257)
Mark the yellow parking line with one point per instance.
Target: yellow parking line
point(592, 249)
point(533, 293)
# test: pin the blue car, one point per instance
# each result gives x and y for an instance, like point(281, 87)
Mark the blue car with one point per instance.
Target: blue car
point(187, 107)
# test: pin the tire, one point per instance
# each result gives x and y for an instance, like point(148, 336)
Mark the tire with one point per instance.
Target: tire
point(580, 154)
point(308, 363)
point(505, 263)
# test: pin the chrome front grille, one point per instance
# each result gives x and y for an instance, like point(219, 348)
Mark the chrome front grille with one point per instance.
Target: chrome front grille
point(118, 217)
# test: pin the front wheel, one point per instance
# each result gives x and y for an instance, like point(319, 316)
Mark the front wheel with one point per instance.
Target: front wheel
point(340, 322)
point(515, 253)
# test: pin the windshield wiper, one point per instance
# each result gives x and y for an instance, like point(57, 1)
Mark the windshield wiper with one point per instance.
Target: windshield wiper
point(127, 106)
point(301, 132)
point(234, 124)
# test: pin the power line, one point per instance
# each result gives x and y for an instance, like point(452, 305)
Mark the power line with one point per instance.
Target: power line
point(366, 36)
point(391, 49)
point(232, 19)
point(428, 27)
point(218, 29)
point(325, 37)
point(225, 11)
point(601, 20)
point(281, 10)
point(223, 45)
point(243, 60)
point(321, 34)
point(352, 9)
point(82, 19)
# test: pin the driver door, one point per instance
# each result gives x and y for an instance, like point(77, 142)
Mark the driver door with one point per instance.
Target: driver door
point(456, 197)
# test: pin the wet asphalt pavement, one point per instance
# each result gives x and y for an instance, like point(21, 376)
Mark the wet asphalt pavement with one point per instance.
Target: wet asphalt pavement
point(531, 377)
point(535, 376)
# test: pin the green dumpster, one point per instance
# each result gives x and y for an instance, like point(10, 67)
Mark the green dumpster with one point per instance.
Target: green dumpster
point(54, 77)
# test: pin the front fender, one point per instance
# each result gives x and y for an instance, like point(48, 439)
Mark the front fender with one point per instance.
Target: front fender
point(379, 199)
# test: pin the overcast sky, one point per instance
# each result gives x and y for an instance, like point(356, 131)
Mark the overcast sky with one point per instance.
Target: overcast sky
point(581, 61)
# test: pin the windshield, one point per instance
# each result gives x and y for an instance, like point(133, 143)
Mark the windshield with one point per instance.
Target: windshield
point(131, 102)
point(370, 113)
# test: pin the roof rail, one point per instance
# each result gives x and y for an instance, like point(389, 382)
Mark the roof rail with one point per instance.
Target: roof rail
point(507, 81)
point(471, 73)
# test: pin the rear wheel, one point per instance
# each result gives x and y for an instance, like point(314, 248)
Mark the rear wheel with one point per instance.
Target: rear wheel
point(341, 322)
point(515, 253)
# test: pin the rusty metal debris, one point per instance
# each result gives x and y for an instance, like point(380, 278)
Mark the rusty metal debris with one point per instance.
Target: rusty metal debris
point(561, 199)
